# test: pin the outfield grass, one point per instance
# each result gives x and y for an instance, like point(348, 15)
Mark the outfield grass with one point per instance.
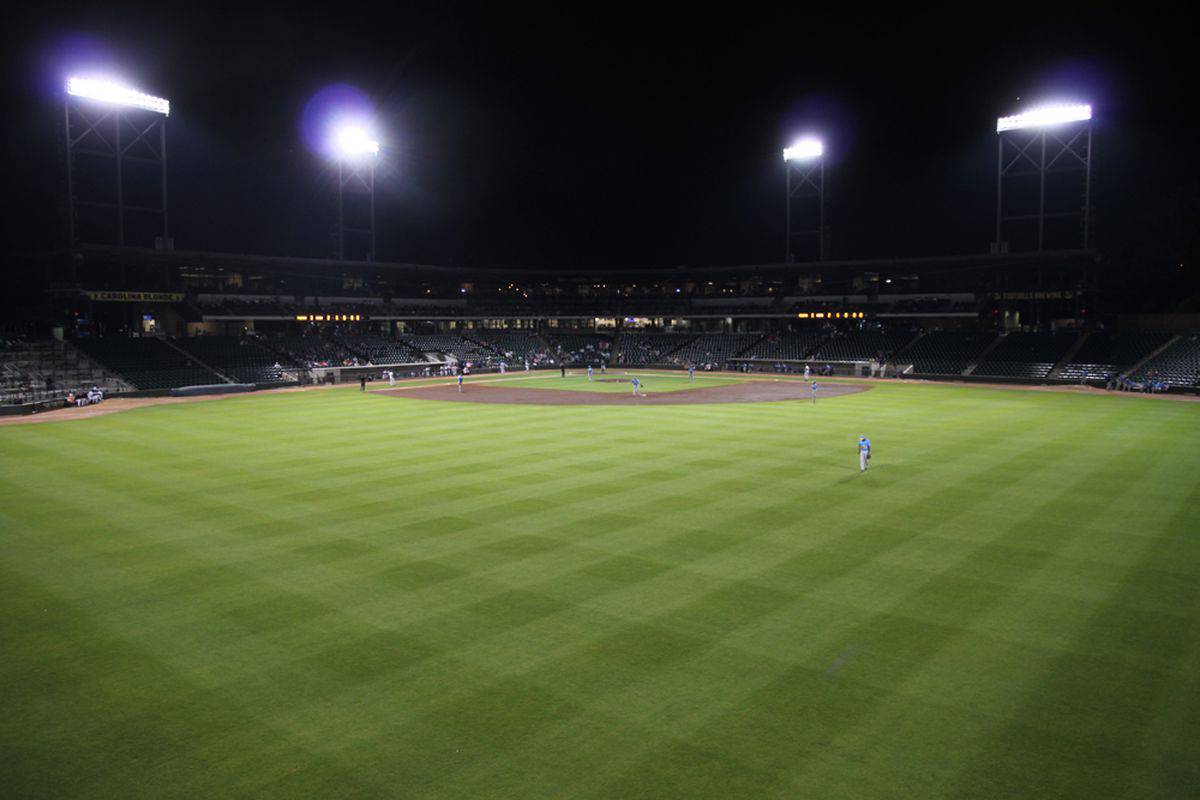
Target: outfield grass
point(339, 594)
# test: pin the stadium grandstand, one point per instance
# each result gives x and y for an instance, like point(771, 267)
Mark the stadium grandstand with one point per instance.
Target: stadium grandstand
point(199, 318)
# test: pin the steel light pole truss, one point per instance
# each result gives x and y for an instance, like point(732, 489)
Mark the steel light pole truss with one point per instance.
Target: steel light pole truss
point(1037, 153)
point(805, 184)
point(122, 136)
point(356, 178)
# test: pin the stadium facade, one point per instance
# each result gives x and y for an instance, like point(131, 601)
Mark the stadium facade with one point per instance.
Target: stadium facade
point(154, 320)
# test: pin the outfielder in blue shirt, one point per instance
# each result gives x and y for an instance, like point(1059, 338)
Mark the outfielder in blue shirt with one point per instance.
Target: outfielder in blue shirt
point(460, 377)
point(636, 384)
point(864, 453)
point(814, 391)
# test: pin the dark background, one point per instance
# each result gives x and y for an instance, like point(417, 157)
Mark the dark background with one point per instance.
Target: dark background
point(624, 136)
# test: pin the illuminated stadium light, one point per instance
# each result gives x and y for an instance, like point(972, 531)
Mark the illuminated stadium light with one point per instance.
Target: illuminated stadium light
point(831, 315)
point(1045, 116)
point(329, 318)
point(355, 141)
point(804, 149)
point(112, 93)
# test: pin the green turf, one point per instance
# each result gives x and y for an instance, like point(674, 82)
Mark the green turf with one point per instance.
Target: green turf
point(618, 380)
point(337, 594)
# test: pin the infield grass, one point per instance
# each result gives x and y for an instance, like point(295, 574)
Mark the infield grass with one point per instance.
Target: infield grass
point(619, 381)
point(344, 594)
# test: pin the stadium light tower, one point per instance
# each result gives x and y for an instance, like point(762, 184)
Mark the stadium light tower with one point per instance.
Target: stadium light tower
point(805, 164)
point(356, 152)
point(1041, 142)
point(107, 121)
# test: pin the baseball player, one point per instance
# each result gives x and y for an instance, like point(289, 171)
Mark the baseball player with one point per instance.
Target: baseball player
point(460, 379)
point(637, 386)
point(691, 372)
point(807, 372)
point(589, 372)
point(864, 453)
point(814, 391)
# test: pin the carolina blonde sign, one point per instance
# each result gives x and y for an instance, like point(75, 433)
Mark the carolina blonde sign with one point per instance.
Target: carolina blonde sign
point(136, 297)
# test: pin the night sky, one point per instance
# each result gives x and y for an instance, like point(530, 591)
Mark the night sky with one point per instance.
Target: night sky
point(617, 135)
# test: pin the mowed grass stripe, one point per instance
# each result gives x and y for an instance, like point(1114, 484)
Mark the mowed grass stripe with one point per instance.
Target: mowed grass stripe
point(351, 593)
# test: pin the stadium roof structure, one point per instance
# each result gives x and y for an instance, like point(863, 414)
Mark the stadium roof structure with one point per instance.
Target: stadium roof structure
point(151, 256)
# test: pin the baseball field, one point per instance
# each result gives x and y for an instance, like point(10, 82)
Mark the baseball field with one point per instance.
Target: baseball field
point(345, 594)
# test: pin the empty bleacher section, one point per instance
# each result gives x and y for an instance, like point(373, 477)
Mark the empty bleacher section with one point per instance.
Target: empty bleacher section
point(454, 346)
point(785, 346)
point(514, 346)
point(368, 349)
point(1026, 355)
point(310, 350)
point(945, 352)
point(862, 345)
point(1177, 365)
point(638, 349)
point(712, 350)
point(240, 358)
point(1106, 354)
point(32, 371)
point(580, 348)
point(147, 363)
